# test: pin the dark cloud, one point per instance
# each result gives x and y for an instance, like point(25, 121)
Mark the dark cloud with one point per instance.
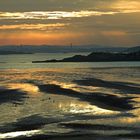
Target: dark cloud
point(98, 22)
point(35, 5)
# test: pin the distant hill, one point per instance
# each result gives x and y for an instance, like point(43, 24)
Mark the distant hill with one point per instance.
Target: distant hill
point(12, 52)
point(61, 49)
point(133, 49)
point(99, 57)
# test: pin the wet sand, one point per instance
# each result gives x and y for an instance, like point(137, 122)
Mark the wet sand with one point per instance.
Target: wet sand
point(59, 105)
point(111, 102)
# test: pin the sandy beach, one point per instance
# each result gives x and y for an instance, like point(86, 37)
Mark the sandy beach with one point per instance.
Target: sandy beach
point(95, 103)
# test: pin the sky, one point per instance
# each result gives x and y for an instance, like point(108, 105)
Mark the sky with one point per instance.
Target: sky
point(61, 22)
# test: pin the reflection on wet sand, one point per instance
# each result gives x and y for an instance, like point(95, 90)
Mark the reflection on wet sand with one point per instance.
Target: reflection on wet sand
point(76, 107)
point(75, 87)
point(11, 135)
point(25, 87)
point(28, 123)
point(16, 92)
point(132, 120)
point(95, 126)
point(69, 104)
point(105, 101)
point(122, 86)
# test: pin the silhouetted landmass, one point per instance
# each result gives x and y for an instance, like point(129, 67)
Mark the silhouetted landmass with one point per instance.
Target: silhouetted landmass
point(12, 52)
point(133, 49)
point(98, 57)
point(67, 48)
point(61, 48)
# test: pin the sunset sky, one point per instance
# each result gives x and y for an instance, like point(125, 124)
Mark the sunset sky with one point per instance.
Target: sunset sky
point(60, 22)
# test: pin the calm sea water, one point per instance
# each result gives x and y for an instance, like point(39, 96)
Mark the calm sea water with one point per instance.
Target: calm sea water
point(68, 99)
point(25, 61)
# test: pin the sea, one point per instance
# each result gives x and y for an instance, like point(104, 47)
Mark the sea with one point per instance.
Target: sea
point(78, 100)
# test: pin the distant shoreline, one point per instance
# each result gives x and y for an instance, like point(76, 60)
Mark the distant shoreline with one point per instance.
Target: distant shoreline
point(12, 53)
point(97, 57)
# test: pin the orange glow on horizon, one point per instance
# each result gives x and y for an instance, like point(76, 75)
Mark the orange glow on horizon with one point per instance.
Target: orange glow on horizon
point(38, 38)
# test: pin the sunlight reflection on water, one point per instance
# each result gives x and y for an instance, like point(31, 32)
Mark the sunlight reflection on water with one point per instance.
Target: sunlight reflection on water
point(29, 88)
point(63, 105)
point(83, 107)
point(18, 134)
